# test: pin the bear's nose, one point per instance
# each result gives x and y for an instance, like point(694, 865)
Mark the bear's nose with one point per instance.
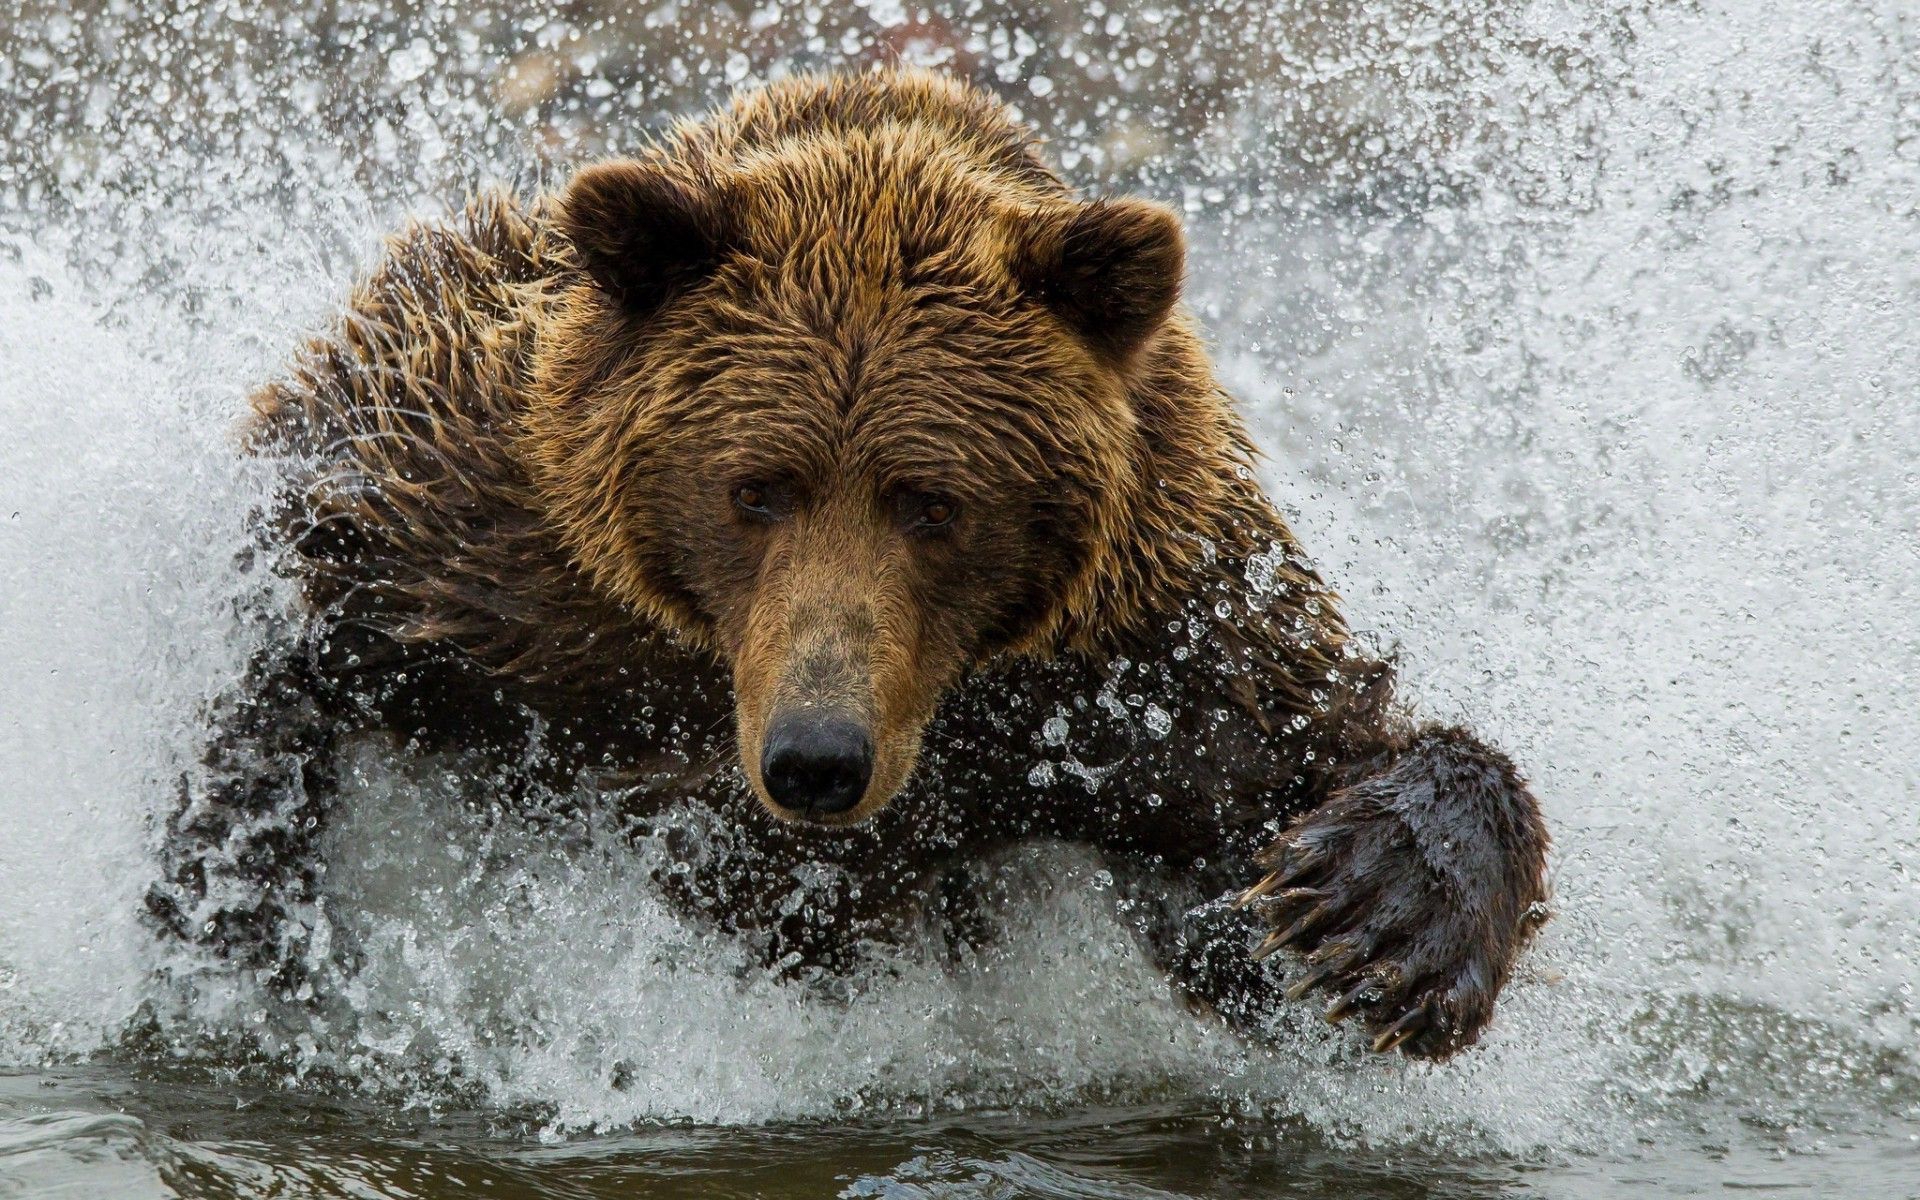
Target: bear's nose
point(816, 763)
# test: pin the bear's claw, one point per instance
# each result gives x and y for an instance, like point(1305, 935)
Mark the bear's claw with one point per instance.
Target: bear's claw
point(1400, 921)
point(1366, 993)
point(1409, 1024)
point(1334, 937)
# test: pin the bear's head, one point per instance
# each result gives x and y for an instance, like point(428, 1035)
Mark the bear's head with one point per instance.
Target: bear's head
point(858, 415)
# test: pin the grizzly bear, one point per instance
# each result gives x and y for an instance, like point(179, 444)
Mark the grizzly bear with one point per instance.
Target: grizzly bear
point(842, 499)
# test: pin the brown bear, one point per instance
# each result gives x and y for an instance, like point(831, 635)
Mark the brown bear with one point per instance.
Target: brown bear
point(841, 498)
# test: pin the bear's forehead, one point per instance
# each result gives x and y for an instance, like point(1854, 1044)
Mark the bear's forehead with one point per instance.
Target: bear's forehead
point(885, 410)
point(894, 192)
point(869, 325)
point(882, 357)
point(907, 435)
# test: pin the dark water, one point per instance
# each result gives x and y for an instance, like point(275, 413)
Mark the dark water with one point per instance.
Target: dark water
point(137, 1132)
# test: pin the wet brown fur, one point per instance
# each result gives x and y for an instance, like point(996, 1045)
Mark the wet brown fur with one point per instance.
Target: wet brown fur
point(513, 465)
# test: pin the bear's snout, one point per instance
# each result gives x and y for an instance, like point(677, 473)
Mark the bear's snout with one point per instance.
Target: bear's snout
point(816, 763)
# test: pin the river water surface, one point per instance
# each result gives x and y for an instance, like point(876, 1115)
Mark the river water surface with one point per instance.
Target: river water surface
point(1580, 341)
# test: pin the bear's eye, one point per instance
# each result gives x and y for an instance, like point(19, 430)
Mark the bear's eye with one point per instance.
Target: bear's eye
point(754, 498)
point(937, 512)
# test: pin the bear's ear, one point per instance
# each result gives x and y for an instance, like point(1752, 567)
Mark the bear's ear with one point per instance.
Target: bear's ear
point(642, 233)
point(1110, 268)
